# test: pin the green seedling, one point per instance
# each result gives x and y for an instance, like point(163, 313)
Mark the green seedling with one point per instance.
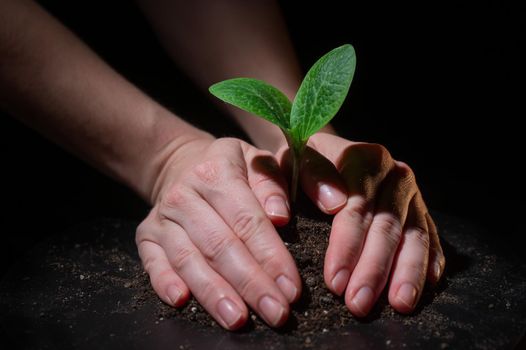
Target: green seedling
point(317, 101)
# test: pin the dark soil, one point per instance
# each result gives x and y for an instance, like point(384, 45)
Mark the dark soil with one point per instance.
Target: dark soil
point(86, 288)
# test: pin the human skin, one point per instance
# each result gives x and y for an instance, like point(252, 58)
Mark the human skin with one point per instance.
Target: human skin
point(51, 81)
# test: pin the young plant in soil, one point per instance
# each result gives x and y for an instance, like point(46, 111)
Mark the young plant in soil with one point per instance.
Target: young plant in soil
point(317, 101)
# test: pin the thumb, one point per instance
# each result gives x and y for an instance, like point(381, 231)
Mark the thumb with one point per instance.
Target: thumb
point(269, 186)
point(322, 182)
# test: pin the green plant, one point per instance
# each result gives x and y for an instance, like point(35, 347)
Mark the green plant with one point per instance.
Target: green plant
point(319, 98)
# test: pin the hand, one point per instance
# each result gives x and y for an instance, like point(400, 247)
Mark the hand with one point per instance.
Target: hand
point(382, 228)
point(209, 234)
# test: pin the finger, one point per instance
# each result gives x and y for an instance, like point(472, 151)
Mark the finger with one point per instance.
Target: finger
point(346, 242)
point(164, 280)
point(245, 217)
point(226, 253)
point(410, 263)
point(268, 185)
point(371, 273)
point(210, 289)
point(363, 167)
point(322, 182)
point(437, 260)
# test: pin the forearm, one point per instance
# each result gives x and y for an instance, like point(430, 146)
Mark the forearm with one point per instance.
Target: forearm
point(51, 81)
point(217, 40)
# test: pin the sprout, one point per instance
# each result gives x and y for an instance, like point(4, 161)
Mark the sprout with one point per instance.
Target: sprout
point(319, 98)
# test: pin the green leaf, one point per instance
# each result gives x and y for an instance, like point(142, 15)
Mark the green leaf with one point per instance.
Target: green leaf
point(322, 92)
point(257, 97)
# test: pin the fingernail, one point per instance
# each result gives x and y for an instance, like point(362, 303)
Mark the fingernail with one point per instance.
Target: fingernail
point(174, 294)
point(287, 287)
point(331, 198)
point(229, 312)
point(362, 300)
point(272, 310)
point(276, 206)
point(407, 294)
point(340, 280)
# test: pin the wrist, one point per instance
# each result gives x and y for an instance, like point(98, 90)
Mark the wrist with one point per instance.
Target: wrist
point(174, 160)
point(169, 136)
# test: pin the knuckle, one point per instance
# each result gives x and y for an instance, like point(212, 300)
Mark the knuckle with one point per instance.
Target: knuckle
point(421, 236)
point(208, 289)
point(175, 198)
point(358, 209)
point(404, 172)
point(380, 155)
point(373, 157)
point(145, 229)
point(269, 259)
point(216, 245)
point(209, 172)
point(149, 263)
point(355, 214)
point(403, 165)
point(360, 218)
point(382, 151)
point(247, 225)
point(389, 227)
point(181, 257)
point(140, 232)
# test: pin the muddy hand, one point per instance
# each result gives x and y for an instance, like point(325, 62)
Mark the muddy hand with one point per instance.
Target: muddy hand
point(211, 233)
point(382, 230)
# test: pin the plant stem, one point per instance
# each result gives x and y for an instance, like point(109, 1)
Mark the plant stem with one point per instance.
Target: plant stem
point(296, 162)
point(296, 148)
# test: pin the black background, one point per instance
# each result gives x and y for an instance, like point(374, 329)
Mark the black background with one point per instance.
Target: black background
point(442, 86)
